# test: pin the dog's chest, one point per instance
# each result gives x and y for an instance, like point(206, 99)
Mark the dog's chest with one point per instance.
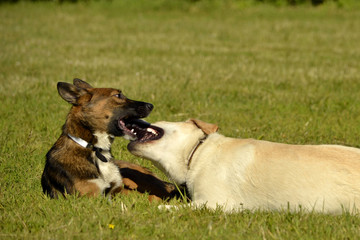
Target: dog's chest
point(109, 173)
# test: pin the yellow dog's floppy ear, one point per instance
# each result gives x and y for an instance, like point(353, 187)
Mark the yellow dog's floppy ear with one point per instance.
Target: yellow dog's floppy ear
point(207, 128)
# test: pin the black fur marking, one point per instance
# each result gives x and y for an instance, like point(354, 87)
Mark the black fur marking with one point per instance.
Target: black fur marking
point(55, 178)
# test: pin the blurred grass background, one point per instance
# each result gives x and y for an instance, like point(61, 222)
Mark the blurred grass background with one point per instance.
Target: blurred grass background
point(261, 70)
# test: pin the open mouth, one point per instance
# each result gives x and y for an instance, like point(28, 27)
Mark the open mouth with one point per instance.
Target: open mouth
point(139, 130)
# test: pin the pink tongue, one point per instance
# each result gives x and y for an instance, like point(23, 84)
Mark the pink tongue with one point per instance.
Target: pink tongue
point(126, 130)
point(122, 125)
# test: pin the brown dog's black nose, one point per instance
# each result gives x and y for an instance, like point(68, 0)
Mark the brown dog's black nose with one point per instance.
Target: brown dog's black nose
point(143, 109)
point(149, 106)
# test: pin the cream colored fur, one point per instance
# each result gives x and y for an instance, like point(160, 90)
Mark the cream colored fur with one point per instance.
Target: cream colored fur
point(250, 174)
point(110, 176)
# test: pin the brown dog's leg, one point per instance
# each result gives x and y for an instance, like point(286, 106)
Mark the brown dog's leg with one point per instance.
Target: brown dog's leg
point(87, 188)
point(142, 180)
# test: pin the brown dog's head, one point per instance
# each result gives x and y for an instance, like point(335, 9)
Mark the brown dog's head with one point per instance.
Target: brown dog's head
point(101, 109)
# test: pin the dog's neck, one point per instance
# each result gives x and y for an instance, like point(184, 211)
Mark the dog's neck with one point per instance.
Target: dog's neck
point(76, 128)
point(195, 148)
point(103, 140)
point(99, 142)
point(99, 152)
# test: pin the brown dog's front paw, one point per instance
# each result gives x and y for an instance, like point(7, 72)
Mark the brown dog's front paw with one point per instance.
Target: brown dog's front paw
point(140, 179)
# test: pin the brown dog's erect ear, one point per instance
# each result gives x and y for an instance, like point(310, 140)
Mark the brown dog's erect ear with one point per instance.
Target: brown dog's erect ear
point(69, 92)
point(207, 128)
point(81, 84)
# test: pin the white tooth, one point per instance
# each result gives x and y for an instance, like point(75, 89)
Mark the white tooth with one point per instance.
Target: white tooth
point(127, 137)
point(132, 130)
point(151, 130)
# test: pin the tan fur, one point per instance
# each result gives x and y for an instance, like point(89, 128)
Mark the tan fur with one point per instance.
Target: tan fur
point(207, 128)
point(87, 188)
point(252, 174)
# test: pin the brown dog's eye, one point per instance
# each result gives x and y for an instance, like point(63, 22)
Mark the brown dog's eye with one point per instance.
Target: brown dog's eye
point(119, 96)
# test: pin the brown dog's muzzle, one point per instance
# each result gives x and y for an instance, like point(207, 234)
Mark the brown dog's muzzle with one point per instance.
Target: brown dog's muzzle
point(144, 109)
point(131, 111)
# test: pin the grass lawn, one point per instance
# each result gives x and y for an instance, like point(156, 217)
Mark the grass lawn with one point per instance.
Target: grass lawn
point(289, 75)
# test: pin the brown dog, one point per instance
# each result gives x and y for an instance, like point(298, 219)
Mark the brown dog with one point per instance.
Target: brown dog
point(81, 162)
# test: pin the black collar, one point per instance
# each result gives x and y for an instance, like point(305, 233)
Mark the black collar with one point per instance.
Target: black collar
point(85, 144)
point(201, 141)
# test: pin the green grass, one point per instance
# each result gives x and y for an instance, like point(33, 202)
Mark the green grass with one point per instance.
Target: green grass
point(282, 74)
